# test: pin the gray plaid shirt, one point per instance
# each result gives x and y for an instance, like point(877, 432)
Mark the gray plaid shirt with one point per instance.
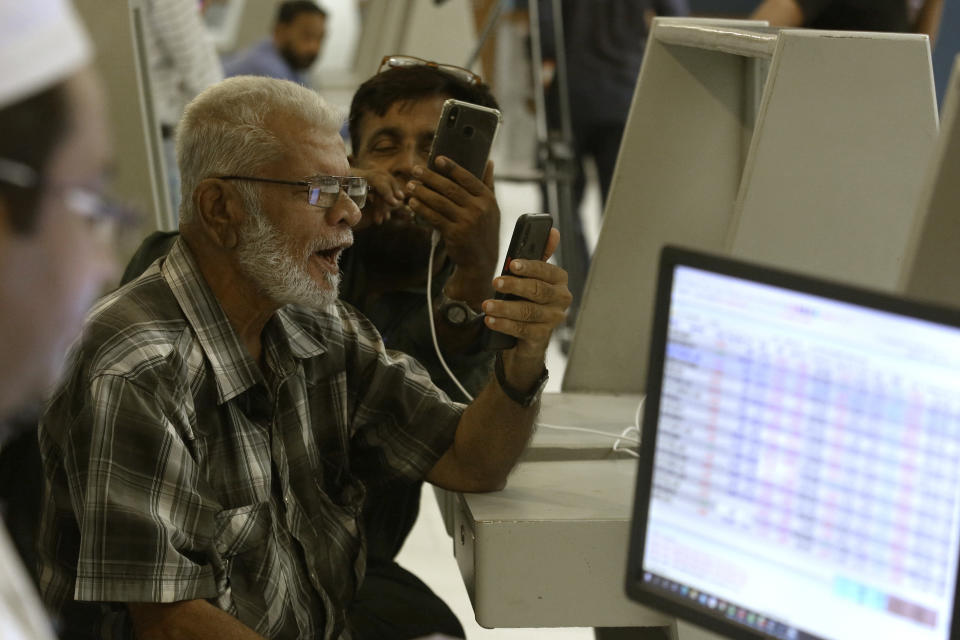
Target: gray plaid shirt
point(176, 469)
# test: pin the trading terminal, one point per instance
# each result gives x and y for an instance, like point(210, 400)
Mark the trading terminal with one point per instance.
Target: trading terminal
point(750, 427)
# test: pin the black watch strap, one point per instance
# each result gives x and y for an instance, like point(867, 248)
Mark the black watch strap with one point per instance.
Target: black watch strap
point(523, 398)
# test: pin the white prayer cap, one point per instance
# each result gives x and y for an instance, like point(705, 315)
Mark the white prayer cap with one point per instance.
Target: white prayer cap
point(41, 43)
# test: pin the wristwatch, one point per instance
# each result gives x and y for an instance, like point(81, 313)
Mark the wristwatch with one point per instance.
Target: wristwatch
point(457, 313)
point(523, 398)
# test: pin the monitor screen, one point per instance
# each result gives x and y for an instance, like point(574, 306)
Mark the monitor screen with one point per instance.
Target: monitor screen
point(800, 475)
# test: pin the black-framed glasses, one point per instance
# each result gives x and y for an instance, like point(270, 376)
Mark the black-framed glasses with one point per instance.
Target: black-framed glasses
point(401, 62)
point(322, 191)
point(85, 201)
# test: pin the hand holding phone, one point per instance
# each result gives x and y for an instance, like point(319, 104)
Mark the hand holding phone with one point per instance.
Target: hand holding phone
point(529, 241)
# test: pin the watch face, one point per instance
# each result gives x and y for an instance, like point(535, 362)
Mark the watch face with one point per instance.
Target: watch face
point(456, 314)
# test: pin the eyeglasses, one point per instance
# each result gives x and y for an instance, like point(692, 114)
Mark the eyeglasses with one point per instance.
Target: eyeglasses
point(322, 191)
point(87, 202)
point(401, 62)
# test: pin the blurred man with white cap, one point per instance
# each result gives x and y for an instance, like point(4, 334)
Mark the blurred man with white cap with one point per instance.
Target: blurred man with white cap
point(54, 259)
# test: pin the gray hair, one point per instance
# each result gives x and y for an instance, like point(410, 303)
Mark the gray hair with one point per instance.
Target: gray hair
point(224, 132)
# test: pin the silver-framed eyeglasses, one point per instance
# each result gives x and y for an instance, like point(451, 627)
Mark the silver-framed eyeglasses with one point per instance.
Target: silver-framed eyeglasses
point(401, 62)
point(322, 191)
point(85, 201)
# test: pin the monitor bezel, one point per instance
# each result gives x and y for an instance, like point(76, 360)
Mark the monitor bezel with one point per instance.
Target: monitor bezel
point(672, 257)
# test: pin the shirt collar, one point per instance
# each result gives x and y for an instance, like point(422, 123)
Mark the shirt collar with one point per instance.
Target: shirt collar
point(233, 367)
point(302, 344)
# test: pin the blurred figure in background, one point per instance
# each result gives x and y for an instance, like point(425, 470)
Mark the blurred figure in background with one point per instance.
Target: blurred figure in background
point(183, 62)
point(298, 35)
point(54, 227)
point(603, 45)
point(848, 15)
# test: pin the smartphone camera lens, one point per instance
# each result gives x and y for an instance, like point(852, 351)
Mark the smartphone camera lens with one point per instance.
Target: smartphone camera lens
point(452, 118)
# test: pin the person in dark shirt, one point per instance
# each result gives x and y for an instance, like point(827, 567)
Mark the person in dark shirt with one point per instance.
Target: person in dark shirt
point(393, 117)
point(847, 15)
point(604, 42)
point(298, 34)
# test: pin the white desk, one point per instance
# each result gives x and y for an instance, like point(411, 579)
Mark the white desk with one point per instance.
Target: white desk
point(550, 550)
point(608, 413)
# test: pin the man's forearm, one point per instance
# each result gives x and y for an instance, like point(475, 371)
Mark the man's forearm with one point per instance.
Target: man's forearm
point(186, 620)
point(491, 437)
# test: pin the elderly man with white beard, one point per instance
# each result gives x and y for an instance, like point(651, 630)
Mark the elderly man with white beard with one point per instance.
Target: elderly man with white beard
point(208, 453)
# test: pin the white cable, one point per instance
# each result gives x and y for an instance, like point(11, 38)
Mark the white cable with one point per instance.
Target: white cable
point(434, 241)
point(623, 437)
point(592, 431)
point(625, 432)
point(636, 416)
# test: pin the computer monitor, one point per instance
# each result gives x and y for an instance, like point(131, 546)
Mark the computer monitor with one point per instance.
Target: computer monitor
point(799, 475)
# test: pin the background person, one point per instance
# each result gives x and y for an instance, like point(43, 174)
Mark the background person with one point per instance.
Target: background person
point(393, 118)
point(183, 62)
point(55, 254)
point(298, 34)
point(849, 15)
point(604, 42)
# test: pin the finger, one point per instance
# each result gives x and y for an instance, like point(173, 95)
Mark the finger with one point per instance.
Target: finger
point(488, 175)
point(460, 176)
point(531, 333)
point(383, 185)
point(534, 290)
point(538, 270)
point(552, 243)
point(439, 221)
point(450, 203)
point(443, 185)
point(374, 212)
point(524, 311)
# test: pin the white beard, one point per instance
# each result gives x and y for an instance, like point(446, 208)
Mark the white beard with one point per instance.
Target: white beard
point(265, 257)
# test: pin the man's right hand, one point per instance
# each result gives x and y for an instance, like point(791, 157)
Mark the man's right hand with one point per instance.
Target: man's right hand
point(464, 209)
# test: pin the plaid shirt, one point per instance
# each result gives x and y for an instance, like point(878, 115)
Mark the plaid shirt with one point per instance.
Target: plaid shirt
point(176, 469)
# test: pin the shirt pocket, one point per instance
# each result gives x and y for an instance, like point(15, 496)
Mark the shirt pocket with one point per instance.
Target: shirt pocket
point(242, 528)
point(246, 546)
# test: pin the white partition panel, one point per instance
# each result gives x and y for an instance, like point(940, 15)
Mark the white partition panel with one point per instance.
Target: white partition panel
point(444, 33)
point(839, 153)
point(933, 270)
point(139, 176)
point(803, 149)
point(677, 177)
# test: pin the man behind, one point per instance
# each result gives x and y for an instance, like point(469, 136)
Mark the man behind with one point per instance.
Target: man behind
point(53, 255)
point(393, 118)
point(298, 34)
point(208, 453)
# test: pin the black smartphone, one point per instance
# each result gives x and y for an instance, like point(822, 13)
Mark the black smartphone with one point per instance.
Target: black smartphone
point(465, 133)
point(530, 236)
